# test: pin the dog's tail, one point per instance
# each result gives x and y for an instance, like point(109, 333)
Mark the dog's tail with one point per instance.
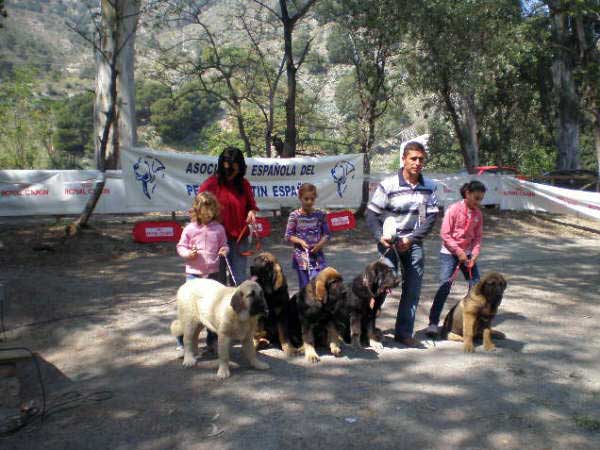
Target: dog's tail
point(176, 328)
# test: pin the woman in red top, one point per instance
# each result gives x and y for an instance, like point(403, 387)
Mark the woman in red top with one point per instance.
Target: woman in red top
point(238, 207)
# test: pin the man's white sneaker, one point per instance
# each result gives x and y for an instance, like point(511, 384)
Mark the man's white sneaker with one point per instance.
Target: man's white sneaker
point(432, 330)
point(179, 351)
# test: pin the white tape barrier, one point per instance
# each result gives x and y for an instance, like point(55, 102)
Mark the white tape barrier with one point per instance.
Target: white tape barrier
point(338, 180)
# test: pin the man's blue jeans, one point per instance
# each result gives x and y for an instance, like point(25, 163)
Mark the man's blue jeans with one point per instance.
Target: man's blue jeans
point(448, 265)
point(411, 263)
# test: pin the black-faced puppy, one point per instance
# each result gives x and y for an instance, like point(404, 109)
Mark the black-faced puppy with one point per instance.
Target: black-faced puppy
point(320, 304)
point(472, 316)
point(366, 295)
point(230, 312)
point(268, 274)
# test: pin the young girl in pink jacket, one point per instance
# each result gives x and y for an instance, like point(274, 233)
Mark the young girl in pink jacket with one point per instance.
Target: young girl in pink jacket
point(461, 241)
point(203, 241)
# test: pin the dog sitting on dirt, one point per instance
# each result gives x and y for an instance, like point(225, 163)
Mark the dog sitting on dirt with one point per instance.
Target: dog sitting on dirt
point(274, 327)
point(366, 295)
point(321, 305)
point(230, 312)
point(472, 317)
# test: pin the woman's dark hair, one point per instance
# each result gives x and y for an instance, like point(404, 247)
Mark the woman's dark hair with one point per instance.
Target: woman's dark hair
point(472, 186)
point(232, 155)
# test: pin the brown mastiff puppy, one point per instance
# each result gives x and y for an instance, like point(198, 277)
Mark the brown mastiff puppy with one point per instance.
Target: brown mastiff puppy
point(230, 312)
point(274, 326)
point(320, 306)
point(472, 316)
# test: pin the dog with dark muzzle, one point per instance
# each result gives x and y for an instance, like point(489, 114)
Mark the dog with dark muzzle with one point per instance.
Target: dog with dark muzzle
point(319, 308)
point(472, 317)
point(366, 295)
point(266, 270)
point(231, 312)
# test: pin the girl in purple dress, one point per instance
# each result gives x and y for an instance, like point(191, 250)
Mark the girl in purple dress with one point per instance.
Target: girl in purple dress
point(307, 229)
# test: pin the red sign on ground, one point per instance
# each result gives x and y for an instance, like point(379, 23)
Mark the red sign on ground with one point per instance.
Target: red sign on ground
point(341, 221)
point(148, 232)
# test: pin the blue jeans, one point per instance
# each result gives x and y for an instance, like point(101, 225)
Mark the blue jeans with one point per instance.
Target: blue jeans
point(411, 263)
point(304, 276)
point(237, 262)
point(448, 265)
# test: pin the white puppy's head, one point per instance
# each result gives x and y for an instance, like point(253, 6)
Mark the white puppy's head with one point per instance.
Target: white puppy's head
point(249, 300)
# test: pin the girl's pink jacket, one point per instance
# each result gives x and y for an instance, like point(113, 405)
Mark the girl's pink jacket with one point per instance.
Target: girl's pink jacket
point(208, 240)
point(462, 229)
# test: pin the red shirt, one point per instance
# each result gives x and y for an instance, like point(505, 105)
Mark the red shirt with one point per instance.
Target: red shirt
point(234, 206)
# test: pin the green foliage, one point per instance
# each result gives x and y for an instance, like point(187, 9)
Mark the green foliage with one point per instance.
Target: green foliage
point(339, 49)
point(25, 123)
point(74, 124)
point(147, 93)
point(179, 119)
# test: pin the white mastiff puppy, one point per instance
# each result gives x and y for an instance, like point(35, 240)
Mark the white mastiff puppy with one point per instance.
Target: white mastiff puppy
point(230, 312)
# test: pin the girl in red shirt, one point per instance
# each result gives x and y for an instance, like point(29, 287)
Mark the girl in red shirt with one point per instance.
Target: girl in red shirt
point(461, 234)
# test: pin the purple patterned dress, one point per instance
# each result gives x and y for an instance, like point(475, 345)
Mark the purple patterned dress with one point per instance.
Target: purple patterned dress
point(310, 228)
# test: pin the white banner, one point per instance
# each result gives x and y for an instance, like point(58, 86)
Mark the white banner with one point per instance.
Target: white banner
point(519, 195)
point(168, 181)
point(57, 192)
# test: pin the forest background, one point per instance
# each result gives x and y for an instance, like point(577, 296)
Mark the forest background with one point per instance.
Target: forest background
point(491, 82)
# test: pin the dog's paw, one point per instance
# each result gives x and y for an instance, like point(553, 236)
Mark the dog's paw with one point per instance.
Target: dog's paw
point(489, 347)
point(290, 350)
point(335, 350)
point(312, 357)
point(376, 345)
point(469, 347)
point(223, 372)
point(189, 361)
point(259, 365)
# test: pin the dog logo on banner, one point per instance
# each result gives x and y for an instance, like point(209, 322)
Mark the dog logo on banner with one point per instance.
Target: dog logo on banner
point(341, 173)
point(147, 170)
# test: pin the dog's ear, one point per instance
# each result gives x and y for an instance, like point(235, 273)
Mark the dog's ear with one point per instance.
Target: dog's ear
point(370, 276)
point(327, 274)
point(277, 276)
point(237, 301)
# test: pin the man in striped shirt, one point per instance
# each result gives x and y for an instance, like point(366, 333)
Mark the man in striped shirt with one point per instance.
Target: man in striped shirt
point(408, 201)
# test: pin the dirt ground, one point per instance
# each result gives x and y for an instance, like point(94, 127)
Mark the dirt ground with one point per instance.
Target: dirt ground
point(96, 309)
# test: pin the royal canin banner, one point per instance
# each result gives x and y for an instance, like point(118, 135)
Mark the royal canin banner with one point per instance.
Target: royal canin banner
point(169, 181)
point(59, 192)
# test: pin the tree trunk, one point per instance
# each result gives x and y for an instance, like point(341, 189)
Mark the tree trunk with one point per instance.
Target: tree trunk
point(596, 129)
point(289, 147)
point(567, 139)
point(108, 51)
point(241, 128)
point(117, 35)
point(472, 129)
point(461, 134)
point(129, 12)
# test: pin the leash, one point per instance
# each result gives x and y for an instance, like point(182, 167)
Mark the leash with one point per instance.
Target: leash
point(252, 235)
point(230, 271)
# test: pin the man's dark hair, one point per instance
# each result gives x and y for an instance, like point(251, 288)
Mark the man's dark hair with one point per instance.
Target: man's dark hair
point(413, 145)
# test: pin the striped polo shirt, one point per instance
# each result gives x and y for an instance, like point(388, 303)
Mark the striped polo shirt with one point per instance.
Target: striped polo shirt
point(415, 208)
